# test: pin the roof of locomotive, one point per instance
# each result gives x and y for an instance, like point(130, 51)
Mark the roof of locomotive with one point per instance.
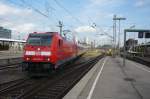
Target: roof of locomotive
point(46, 34)
point(42, 33)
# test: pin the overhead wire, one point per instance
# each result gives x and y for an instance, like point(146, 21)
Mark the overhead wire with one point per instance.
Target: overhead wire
point(38, 11)
point(48, 6)
point(67, 11)
point(35, 9)
point(15, 3)
point(46, 15)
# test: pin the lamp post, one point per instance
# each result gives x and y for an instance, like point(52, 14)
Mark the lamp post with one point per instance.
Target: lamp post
point(119, 19)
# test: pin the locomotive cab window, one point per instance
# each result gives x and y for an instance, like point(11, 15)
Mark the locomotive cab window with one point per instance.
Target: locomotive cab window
point(39, 40)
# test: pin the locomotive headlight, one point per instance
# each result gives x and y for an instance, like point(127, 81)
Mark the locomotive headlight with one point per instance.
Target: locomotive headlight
point(30, 53)
point(46, 53)
point(48, 59)
point(27, 58)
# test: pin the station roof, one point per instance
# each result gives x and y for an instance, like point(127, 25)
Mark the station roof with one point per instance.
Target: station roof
point(137, 30)
point(12, 40)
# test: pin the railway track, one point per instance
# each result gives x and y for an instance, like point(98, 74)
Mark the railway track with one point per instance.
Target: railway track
point(141, 60)
point(10, 66)
point(13, 90)
point(11, 83)
point(53, 87)
point(9, 61)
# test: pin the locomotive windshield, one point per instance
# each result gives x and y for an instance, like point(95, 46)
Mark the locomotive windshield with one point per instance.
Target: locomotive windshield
point(39, 39)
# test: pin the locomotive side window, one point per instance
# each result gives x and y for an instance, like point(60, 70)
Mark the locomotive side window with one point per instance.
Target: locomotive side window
point(60, 43)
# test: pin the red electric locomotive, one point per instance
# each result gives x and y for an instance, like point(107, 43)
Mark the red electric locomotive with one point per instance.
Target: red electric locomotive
point(46, 51)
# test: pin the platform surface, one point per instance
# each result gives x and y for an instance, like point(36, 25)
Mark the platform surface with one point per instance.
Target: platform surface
point(111, 80)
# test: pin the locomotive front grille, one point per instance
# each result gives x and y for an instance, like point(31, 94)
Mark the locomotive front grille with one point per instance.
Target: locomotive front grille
point(38, 67)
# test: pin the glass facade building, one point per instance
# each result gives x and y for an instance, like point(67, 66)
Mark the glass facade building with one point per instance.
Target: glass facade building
point(5, 33)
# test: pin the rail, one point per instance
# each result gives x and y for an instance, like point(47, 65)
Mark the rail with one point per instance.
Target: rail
point(53, 87)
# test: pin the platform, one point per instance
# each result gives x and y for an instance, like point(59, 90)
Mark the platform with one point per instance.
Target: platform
point(10, 54)
point(108, 79)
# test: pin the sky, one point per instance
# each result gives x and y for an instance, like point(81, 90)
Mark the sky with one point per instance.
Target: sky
point(26, 16)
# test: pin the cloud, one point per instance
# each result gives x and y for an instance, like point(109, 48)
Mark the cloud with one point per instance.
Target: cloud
point(6, 23)
point(99, 11)
point(19, 20)
point(17, 26)
point(16, 18)
point(142, 3)
point(85, 29)
point(6, 9)
point(26, 27)
point(105, 2)
point(98, 2)
point(22, 31)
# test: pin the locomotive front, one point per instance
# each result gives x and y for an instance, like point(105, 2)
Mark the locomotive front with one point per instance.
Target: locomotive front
point(38, 52)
